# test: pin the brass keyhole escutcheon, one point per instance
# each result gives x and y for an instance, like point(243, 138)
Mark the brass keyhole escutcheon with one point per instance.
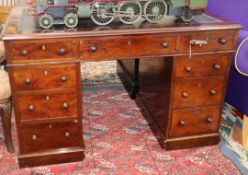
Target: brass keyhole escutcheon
point(34, 137)
point(30, 107)
point(45, 72)
point(43, 47)
point(187, 68)
point(67, 134)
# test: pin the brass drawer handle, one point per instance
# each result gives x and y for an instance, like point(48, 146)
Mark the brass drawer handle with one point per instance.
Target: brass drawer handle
point(67, 134)
point(185, 95)
point(182, 123)
point(213, 92)
point(61, 51)
point(222, 41)
point(31, 107)
point(210, 120)
point(27, 81)
point(93, 48)
point(65, 105)
point(165, 45)
point(24, 53)
point(34, 137)
point(63, 78)
point(187, 68)
point(217, 66)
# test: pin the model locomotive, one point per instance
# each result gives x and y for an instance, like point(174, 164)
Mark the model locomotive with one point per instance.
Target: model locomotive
point(103, 12)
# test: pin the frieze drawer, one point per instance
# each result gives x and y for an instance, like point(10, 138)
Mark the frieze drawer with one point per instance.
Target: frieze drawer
point(44, 77)
point(49, 105)
point(197, 66)
point(128, 46)
point(198, 91)
point(211, 41)
point(45, 136)
point(186, 122)
point(36, 49)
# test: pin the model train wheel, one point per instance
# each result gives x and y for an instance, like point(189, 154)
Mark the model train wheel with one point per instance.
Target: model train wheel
point(155, 10)
point(102, 13)
point(129, 12)
point(46, 21)
point(71, 20)
point(187, 15)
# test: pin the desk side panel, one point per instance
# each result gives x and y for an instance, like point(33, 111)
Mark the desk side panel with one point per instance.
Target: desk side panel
point(155, 89)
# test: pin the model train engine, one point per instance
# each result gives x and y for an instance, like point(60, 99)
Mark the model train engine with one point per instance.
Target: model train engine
point(103, 12)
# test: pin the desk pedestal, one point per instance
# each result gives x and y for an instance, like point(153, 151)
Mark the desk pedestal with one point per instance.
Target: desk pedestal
point(185, 106)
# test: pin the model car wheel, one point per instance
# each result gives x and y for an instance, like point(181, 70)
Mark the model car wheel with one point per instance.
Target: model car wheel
point(155, 10)
point(71, 20)
point(129, 12)
point(46, 21)
point(102, 13)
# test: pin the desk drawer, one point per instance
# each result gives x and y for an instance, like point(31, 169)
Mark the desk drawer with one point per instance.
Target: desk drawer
point(38, 137)
point(195, 121)
point(47, 105)
point(216, 41)
point(201, 65)
point(192, 92)
point(37, 49)
point(45, 77)
point(128, 46)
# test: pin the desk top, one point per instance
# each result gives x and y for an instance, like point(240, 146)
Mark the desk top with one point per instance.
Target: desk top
point(22, 25)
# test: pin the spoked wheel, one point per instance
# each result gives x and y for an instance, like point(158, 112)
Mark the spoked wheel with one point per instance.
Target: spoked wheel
point(129, 12)
point(46, 21)
point(71, 20)
point(102, 13)
point(155, 10)
point(187, 15)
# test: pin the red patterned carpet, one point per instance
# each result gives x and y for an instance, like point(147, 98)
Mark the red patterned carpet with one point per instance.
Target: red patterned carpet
point(119, 141)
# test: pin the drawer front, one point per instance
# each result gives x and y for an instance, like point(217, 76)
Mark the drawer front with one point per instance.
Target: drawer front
point(214, 41)
point(37, 49)
point(195, 121)
point(45, 77)
point(129, 46)
point(194, 92)
point(201, 66)
point(47, 106)
point(45, 136)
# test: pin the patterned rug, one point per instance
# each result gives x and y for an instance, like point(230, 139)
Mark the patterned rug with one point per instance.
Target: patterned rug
point(119, 139)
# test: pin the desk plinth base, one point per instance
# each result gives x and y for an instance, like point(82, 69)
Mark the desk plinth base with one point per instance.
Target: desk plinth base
point(191, 141)
point(51, 157)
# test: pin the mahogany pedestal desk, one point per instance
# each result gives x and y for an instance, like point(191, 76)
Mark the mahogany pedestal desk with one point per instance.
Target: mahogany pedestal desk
point(180, 70)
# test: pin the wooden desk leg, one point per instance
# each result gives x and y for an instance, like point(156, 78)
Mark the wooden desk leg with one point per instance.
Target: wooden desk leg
point(5, 112)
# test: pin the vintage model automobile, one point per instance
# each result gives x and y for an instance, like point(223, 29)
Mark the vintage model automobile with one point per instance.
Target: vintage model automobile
point(103, 12)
